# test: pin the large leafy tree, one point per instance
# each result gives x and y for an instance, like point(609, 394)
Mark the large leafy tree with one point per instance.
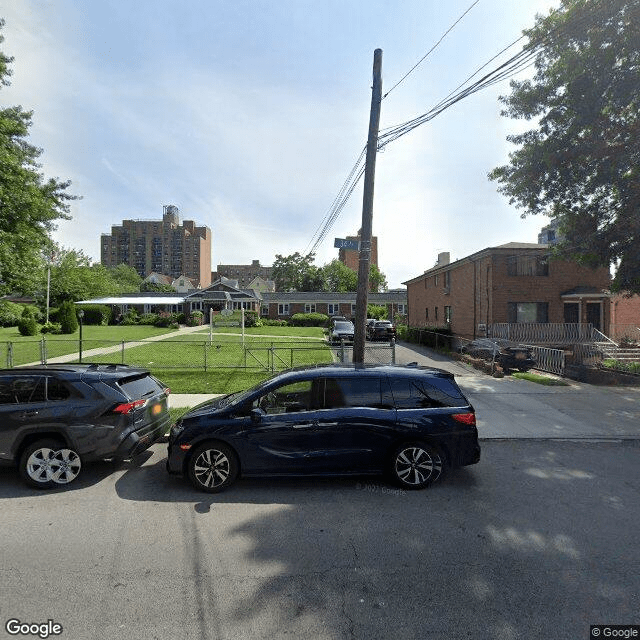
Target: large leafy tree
point(29, 203)
point(581, 163)
point(339, 277)
point(295, 273)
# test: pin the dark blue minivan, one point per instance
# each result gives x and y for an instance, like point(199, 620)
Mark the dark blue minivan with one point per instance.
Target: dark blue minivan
point(407, 421)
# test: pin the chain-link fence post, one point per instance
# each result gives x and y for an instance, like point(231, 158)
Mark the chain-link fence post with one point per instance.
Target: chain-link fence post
point(43, 357)
point(393, 350)
point(122, 353)
point(204, 345)
point(9, 355)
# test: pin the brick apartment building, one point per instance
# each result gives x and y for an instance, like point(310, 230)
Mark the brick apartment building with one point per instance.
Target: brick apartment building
point(243, 274)
point(512, 283)
point(281, 305)
point(351, 257)
point(162, 246)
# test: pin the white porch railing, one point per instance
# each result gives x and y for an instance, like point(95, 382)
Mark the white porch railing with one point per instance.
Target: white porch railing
point(543, 333)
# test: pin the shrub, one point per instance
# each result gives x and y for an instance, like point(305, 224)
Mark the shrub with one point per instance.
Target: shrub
point(165, 319)
point(273, 323)
point(148, 319)
point(27, 325)
point(96, 314)
point(309, 319)
point(195, 319)
point(10, 313)
point(252, 319)
point(67, 317)
point(131, 317)
point(51, 327)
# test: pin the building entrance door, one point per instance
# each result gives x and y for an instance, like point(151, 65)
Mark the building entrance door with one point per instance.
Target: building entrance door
point(593, 314)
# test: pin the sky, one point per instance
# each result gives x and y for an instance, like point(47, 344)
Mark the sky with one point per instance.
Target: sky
point(248, 115)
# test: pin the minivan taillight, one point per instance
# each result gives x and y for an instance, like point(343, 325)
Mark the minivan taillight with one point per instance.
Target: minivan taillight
point(465, 418)
point(128, 407)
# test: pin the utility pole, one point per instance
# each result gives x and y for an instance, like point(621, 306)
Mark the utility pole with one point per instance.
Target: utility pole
point(367, 212)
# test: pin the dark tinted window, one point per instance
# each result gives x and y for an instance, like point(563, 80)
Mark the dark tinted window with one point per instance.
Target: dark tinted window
point(57, 390)
point(140, 386)
point(421, 394)
point(352, 392)
point(289, 398)
point(22, 389)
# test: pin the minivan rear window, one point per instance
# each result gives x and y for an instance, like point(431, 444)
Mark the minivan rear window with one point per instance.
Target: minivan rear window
point(420, 394)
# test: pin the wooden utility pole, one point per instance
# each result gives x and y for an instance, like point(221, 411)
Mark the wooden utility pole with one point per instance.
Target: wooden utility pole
point(367, 212)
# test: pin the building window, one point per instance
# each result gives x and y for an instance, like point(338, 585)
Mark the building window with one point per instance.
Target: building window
point(283, 309)
point(447, 279)
point(426, 314)
point(527, 265)
point(435, 280)
point(333, 309)
point(518, 312)
point(402, 309)
point(436, 313)
point(310, 307)
point(353, 309)
point(264, 310)
point(447, 315)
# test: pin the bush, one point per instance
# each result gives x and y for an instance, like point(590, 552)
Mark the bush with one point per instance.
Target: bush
point(67, 317)
point(27, 326)
point(273, 323)
point(51, 327)
point(165, 319)
point(33, 311)
point(10, 313)
point(148, 319)
point(252, 319)
point(309, 320)
point(131, 317)
point(96, 314)
point(195, 319)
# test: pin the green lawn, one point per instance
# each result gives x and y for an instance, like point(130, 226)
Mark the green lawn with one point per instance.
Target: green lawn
point(287, 332)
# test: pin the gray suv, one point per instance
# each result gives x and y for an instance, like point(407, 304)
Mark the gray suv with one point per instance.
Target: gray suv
point(55, 418)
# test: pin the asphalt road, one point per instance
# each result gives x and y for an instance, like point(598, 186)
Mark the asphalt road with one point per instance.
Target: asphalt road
point(539, 540)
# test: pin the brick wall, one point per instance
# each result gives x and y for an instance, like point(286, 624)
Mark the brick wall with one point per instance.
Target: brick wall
point(481, 288)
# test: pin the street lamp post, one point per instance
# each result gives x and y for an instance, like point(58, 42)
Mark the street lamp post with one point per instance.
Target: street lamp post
point(80, 317)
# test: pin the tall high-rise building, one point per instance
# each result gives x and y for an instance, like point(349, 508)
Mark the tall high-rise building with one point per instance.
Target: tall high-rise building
point(161, 246)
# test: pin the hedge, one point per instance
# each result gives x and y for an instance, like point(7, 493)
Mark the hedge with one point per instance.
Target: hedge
point(309, 320)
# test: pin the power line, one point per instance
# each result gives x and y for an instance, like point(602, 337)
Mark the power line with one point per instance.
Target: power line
point(426, 55)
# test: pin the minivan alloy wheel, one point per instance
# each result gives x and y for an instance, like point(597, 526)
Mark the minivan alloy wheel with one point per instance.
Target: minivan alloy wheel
point(415, 466)
point(213, 467)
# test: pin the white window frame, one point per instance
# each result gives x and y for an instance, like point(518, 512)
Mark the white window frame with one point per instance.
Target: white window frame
point(332, 309)
point(310, 307)
point(283, 308)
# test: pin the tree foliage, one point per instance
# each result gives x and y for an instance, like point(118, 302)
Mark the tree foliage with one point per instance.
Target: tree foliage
point(582, 163)
point(298, 273)
point(29, 203)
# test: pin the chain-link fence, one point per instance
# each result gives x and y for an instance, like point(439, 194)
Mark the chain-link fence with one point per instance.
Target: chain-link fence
point(191, 352)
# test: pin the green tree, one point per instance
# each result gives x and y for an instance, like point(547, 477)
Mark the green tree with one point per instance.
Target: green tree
point(67, 317)
point(125, 278)
point(377, 280)
point(582, 162)
point(295, 272)
point(29, 203)
point(339, 277)
point(157, 287)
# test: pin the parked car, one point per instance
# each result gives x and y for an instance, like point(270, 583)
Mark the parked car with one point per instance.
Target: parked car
point(55, 418)
point(509, 355)
point(381, 330)
point(334, 319)
point(343, 330)
point(410, 422)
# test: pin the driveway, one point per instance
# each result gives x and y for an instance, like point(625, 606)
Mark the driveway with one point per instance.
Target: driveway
point(512, 408)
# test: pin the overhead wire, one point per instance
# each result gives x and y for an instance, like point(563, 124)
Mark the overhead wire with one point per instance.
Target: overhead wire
point(524, 59)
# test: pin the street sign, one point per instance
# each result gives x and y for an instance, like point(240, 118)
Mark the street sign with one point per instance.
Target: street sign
point(342, 243)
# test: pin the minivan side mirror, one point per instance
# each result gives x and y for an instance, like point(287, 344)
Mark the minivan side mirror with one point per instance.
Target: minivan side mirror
point(256, 415)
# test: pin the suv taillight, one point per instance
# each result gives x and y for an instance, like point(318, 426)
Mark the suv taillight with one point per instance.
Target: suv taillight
point(465, 418)
point(128, 407)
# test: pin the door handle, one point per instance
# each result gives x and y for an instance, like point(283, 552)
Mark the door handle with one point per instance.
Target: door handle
point(328, 424)
point(307, 425)
point(29, 414)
